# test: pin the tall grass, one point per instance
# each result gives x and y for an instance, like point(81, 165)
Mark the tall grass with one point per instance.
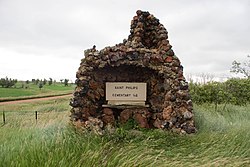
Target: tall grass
point(222, 140)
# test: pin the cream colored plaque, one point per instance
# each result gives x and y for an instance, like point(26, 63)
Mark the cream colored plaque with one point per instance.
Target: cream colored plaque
point(126, 93)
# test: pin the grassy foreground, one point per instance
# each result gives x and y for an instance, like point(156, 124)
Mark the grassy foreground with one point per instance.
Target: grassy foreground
point(33, 91)
point(222, 140)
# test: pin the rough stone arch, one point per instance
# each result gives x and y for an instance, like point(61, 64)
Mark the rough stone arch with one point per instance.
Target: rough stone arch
point(146, 56)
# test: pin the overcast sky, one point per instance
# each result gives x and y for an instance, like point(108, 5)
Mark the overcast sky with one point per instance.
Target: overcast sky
point(46, 38)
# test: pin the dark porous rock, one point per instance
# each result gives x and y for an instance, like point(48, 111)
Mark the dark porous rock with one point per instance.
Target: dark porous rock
point(187, 115)
point(158, 123)
point(95, 125)
point(188, 128)
point(169, 59)
point(107, 111)
point(126, 115)
point(108, 117)
point(141, 120)
point(166, 114)
point(146, 56)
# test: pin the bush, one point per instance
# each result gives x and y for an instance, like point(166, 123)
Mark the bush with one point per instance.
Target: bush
point(239, 90)
point(234, 91)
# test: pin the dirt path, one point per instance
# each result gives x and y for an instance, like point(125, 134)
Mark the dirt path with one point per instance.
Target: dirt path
point(34, 100)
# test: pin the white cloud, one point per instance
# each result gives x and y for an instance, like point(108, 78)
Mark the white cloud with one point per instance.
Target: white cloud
point(29, 66)
point(206, 35)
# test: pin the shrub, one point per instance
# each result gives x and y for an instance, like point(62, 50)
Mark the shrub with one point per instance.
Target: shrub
point(234, 91)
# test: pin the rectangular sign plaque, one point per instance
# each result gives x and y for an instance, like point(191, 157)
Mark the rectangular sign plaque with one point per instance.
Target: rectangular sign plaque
point(126, 92)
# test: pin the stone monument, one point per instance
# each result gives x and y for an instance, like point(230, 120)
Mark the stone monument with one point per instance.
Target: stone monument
point(140, 79)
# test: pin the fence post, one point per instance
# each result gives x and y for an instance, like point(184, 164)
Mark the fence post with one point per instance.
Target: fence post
point(36, 115)
point(3, 117)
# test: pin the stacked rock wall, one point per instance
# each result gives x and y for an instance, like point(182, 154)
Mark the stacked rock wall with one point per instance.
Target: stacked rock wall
point(146, 56)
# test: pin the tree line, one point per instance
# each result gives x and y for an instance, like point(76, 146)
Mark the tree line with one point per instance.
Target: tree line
point(8, 82)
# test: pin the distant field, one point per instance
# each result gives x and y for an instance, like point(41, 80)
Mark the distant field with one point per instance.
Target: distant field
point(222, 140)
point(33, 91)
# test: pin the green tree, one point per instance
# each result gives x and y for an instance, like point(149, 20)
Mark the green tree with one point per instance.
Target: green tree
point(66, 82)
point(2, 82)
point(40, 85)
point(37, 81)
point(44, 81)
point(242, 68)
point(50, 81)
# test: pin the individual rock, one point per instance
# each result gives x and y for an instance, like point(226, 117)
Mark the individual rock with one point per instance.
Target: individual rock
point(158, 123)
point(108, 117)
point(95, 125)
point(93, 85)
point(125, 115)
point(188, 128)
point(168, 96)
point(107, 111)
point(187, 115)
point(141, 120)
point(167, 112)
point(169, 59)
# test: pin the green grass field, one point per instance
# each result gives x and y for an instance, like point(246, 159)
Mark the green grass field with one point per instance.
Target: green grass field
point(222, 140)
point(33, 91)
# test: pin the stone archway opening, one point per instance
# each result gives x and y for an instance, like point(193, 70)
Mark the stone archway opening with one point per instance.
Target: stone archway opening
point(132, 74)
